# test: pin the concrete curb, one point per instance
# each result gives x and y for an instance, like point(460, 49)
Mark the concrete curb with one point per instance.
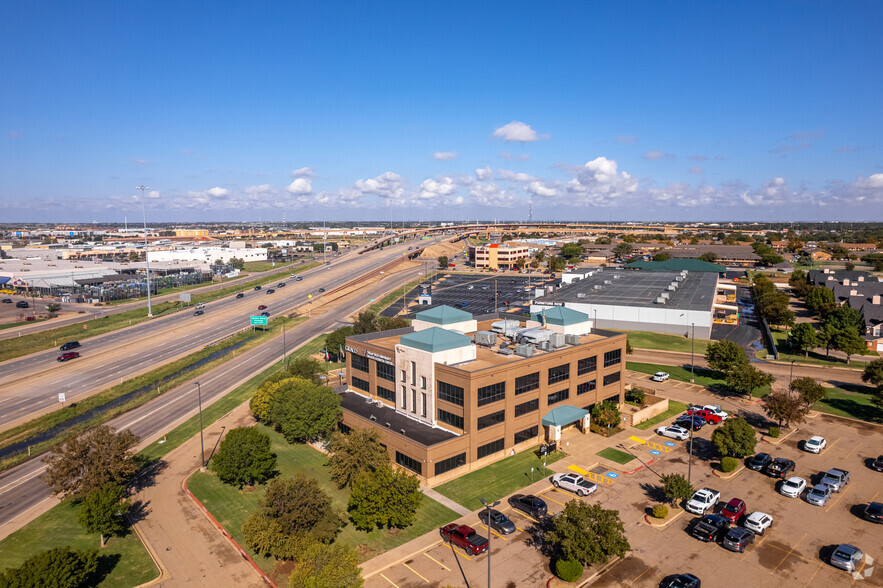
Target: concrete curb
point(665, 523)
point(777, 440)
point(728, 475)
point(163, 572)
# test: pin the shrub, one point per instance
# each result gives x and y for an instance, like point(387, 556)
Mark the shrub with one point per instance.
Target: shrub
point(635, 395)
point(728, 464)
point(774, 432)
point(660, 511)
point(568, 570)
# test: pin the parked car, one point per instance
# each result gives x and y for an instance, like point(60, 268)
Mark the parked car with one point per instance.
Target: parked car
point(716, 409)
point(814, 444)
point(496, 521)
point(792, 487)
point(660, 377)
point(703, 500)
point(758, 522)
point(6, 301)
point(737, 539)
point(734, 509)
point(574, 483)
point(530, 504)
point(69, 345)
point(710, 527)
point(819, 494)
point(846, 557)
point(22, 304)
point(780, 467)
point(68, 355)
point(240, 295)
point(199, 313)
point(709, 416)
point(874, 512)
point(674, 432)
point(836, 479)
point(681, 581)
point(695, 422)
point(877, 464)
point(465, 537)
point(758, 462)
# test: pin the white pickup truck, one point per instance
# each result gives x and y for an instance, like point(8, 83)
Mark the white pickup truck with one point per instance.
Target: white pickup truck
point(836, 479)
point(716, 409)
point(703, 500)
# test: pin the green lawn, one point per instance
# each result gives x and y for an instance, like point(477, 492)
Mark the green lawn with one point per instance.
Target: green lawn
point(499, 479)
point(620, 457)
point(391, 297)
point(702, 376)
point(124, 561)
point(855, 403)
point(674, 408)
point(647, 340)
point(857, 362)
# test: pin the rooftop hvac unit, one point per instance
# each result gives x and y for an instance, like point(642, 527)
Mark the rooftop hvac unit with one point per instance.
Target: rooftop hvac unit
point(596, 287)
point(571, 339)
point(486, 338)
point(545, 346)
point(524, 350)
point(557, 340)
point(615, 276)
point(608, 281)
point(505, 328)
point(580, 294)
point(505, 351)
point(660, 300)
point(679, 279)
point(671, 287)
point(664, 295)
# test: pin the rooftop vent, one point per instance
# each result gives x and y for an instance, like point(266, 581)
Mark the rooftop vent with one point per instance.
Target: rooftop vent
point(373, 418)
point(402, 431)
point(660, 300)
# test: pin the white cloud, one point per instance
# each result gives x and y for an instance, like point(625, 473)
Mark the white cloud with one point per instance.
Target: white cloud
point(432, 189)
point(300, 186)
point(153, 195)
point(389, 185)
point(483, 173)
point(600, 181)
point(540, 189)
point(505, 174)
point(444, 155)
point(517, 131)
point(303, 172)
point(656, 155)
point(874, 182)
point(490, 195)
point(259, 190)
point(219, 192)
point(696, 170)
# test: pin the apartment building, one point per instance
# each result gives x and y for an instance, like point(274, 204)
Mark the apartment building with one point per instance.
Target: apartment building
point(496, 256)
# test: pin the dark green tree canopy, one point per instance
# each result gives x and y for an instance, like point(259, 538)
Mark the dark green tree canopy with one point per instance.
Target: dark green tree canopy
point(303, 411)
point(307, 368)
point(676, 487)
point(326, 566)
point(569, 250)
point(745, 379)
point(336, 340)
point(588, 533)
point(443, 262)
point(606, 414)
point(734, 438)
point(385, 497)
point(104, 511)
point(60, 567)
point(358, 451)
point(723, 355)
point(808, 390)
point(784, 407)
point(302, 508)
point(803, 337)
point(245, 457)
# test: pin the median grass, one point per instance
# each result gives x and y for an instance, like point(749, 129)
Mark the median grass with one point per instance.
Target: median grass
point(124, 562)
point(854, 402)
point(815, 357)
point(674, 408)
point(647, 340)
point(499, 479)
point(383, 303)
point(701, 376)
point(620, 457)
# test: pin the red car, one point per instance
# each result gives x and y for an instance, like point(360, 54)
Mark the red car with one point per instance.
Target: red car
point(68, 355)
point(465, 537)
point(262, 307)
point(709, 416)
point(734, 509)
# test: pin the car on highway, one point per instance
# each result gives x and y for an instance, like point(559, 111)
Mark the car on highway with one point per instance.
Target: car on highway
point(265, 313)
point(710, 527)
point(321, 289)
point(199, 313)
point(262, 307)
point(779, 467)
point(709, 416)
point(6, 301)
point(575, 483)
point(874, 512)
point(529, 504)
point(814, 444)
point(681, 581)
point(792, 487)
point(758, 522)
point(758, 462)
point(703, 500)
point(819, 494)
point(271, 291)
point(498, 521)
point(22, 304)
point(280, 285)
point(69, 355)
point(734, 509)
point(846, 557)
point(256, 288)
point(674, 432)
point(737, 539)
point(69, 345)
point(877, 464)
point(240, 295)
point(298, 279)
point(660, 377)
point(690, 422)
point(465, 537)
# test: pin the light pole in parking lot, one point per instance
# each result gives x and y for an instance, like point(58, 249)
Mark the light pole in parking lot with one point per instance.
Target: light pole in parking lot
point(791, 374)
point(489, 507)
point(692, 343)
point(146, 256)
point(201, 446)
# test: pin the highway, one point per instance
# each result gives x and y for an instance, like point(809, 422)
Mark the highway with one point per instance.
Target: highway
point(23, 495)
point(31, 384)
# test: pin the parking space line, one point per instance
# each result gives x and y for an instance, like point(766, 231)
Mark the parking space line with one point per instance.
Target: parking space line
point(787, 555)
point(494, 532)
point(833, 443)
point(457, 554)
point(553, 500)
point(578, 470)
point(814, 574)
point(416, 572)
point(388, 580)
point(438, 562)
point(632, 583)
point(837, 498)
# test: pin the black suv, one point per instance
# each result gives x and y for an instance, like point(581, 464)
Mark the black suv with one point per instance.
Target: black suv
point(22, 304)
point(780, 467)
point(710, 527)
point(759, 461)
point(529, 504)
point(69, 345)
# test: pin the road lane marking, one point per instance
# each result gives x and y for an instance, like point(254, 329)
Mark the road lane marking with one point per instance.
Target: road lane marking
point(438, 562)
point(416, 572)
point(388, 580)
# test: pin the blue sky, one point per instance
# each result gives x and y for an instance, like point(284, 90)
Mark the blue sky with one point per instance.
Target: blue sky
point(441, 110)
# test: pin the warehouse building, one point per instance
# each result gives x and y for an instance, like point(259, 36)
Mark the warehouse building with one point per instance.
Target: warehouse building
point(454, 392)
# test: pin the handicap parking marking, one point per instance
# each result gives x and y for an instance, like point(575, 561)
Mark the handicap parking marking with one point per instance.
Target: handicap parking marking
point(578, 470)
point(670, 443)
point(611, 475)
point(637, 439)
point(655, 452)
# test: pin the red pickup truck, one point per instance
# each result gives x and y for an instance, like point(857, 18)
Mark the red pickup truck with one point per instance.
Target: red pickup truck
point(709, 416)
point(464, 537)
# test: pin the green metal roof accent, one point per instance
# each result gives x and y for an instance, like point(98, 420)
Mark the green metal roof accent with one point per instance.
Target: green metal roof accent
point(677, 265)
point(443, 315)
point(560, 315)
point(563, 415)
point(435, 339)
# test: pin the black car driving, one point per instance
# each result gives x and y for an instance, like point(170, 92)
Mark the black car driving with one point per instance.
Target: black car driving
point(69, 345)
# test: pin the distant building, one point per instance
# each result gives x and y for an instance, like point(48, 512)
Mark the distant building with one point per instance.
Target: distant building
point(498, 256)
point(190, 233)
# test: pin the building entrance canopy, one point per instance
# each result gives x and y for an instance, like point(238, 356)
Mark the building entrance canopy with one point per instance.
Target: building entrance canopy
point(563, 415)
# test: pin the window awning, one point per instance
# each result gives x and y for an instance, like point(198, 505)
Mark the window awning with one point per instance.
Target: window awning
point(563, 415)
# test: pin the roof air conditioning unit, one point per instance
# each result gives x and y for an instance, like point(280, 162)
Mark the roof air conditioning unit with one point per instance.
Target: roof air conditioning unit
point(373, 418)
point(402, 431)
point(571, 339)
point(596, 287)
point(524, 350)
point(545, 346)
point(504, 351)
point(557, 340)
point(580, 294)
point(660, 300)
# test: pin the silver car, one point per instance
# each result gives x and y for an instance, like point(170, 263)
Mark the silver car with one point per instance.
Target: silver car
point(819, 494)
point(846, 557)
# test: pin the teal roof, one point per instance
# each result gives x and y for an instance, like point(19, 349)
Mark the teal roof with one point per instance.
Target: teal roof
point(677, 265)
point(443, 315)
point(435, 339)
point(563, 415)
point(560, 315)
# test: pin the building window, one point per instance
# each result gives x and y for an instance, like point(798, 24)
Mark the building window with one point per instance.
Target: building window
point(385, 371)
point(559, 373)
point(557, 397)
point(527, 383)
point(414, 401)
point(423, 382)
point(488, 449)
point(386, 394)
point(489, 420)
point(359, 362)
point(527, 407)
point(612, 378)
point(450, 393)
point(409, 463)
point(450, 418)
point(343, 428)
point(413, 373)
point(404, 397)
point(449, 464)
point(587, 365)
point(526, 435)
point(586, 387)
point(612, 357)
point(360, 384)
point(491, 393)
point(424, 404)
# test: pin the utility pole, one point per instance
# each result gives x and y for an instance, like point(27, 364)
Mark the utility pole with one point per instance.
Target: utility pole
point(201, 446)
point(146, 247)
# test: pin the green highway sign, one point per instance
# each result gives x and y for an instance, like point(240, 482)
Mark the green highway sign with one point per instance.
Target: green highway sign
point(258, 320)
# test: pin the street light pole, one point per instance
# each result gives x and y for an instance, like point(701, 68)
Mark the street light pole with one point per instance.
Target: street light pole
point(488, 507)
point(690, 461)
point(791, 375)
point(201, 446)
point(146, 247)
point(692, 343)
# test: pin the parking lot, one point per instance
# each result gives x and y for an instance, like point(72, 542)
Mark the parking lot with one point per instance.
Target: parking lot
point(793, 552)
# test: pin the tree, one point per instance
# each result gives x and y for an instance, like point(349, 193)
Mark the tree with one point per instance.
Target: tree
point(850, 266)
point(606, 414)
point(366, 322)
point(588, 533)
point(845, 317)
point(237, 263)
point(384, 498)
point(521, 262)
point(735, 437)
point(662, 256)
point(60, 567)
point(724, 354)
point(745, 379)
point(676, 488)
point(303, 411)
point(133, 256)
point(326, 566)
point(622, 249)
point(803, 337)
point(784, 407)
point(708, 256)
point(799, 283)
point(808, 390)
point(307, 368)
point(262, 399)
point(443, 262)
point(819, 300)
point(358, 451)
point(245, 457)
point(265, 535)
point(387, 323)
point(104, 511)
point(873, 373)
point(302, 508)
point(89, 461)
point(556, 264)
point(569, 250)
point(540, 256)
point(849, 342)
point(336, 340)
